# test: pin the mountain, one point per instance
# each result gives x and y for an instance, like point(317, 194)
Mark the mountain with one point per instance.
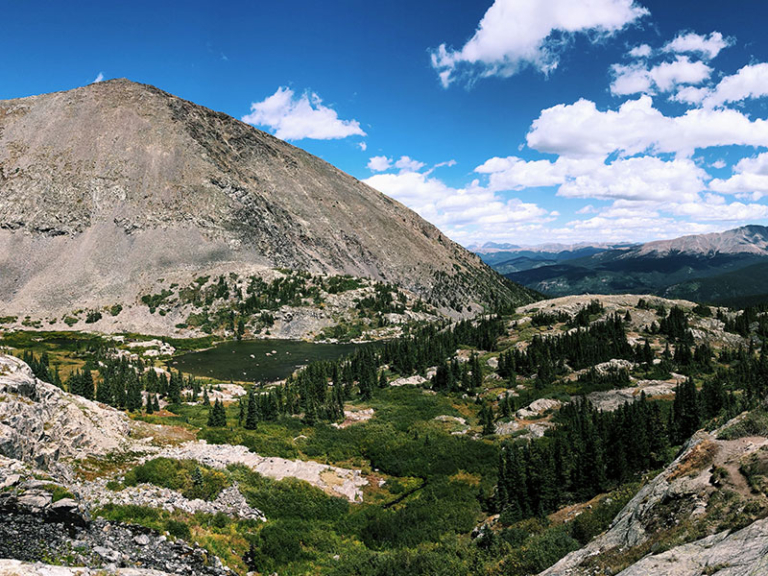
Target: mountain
point(740, 287)
point(706, 267)
point(520, 263)
point(108, 189)
point(498, 255)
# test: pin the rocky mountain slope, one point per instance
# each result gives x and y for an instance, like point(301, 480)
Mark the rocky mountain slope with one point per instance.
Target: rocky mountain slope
point(706, 267)
point(107, 188)
point(703, 509)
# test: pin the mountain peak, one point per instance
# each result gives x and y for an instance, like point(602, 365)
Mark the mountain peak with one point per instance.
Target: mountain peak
point(117, 181)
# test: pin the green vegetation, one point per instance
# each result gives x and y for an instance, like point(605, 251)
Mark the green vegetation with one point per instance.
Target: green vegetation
point(754, 424)
point(193, 480)
point(438, 471)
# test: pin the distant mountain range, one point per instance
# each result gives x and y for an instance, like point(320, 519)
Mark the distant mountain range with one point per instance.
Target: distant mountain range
point(729, 267)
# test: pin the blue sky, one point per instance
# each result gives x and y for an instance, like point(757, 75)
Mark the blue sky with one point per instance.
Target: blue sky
point(523, 121)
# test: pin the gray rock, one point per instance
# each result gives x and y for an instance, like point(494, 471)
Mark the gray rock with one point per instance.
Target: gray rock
point(142, 539)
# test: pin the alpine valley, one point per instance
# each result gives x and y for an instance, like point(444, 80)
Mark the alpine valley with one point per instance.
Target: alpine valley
point(222, 355)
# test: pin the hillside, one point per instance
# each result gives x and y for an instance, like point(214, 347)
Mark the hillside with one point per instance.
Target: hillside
point(118, 190)
point(575, 436)
point(707, 268)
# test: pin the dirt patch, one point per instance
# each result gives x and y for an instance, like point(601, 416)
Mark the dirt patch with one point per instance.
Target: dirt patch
point(701, 456)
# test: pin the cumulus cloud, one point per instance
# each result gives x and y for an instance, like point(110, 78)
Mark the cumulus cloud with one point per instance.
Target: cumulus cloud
point(706, 47)
point(642, 51)
point(363, 146)
point(407, 164)
point(636, 78)
point(99, 78)
point(750, 178)
point(459, 211)
point(749, 82)
point(644, 178)
point(581, 130)
point(295, 118)
point(379, 163)
point(691, 95)
point(513, 173)
point(517, 33)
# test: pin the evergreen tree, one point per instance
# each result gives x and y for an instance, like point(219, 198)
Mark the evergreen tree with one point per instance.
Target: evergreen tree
point(217, 416)
point(252, 412)
point(86, 384)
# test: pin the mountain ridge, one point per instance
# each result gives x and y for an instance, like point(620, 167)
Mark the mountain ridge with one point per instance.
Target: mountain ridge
point(681, 266)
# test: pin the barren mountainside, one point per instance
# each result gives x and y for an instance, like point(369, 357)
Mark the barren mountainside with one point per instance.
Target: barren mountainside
point(107, 188)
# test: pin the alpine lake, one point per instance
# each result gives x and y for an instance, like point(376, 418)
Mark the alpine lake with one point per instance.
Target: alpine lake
point(258, 360)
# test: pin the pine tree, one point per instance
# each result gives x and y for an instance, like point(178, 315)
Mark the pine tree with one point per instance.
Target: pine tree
point(217, 416)
point(241, 410)
point(477, 373)
point(252, 412)
point(174, 388)
point(486, 419)
point(87, 384)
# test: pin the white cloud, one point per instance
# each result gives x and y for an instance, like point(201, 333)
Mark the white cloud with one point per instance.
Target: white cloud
point(718, 164)
point(588, 209)
point(407, 164)
point(714, 209)
point(682, 71)
point(99, 78)
point(295, 118)
point(379, 163)
point(691, 95)
point(749, 82)
point(516, 33)
point(706, 47)
point(363, 146)
point(643, 178)
point(750, 178)
point(630, 79)
point(446, 163)
point(642, 51)
point(458, 211)
point(581, 130)
point(636, 78)
point(513, 173)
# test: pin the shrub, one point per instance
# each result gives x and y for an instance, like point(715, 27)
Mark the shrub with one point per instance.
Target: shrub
point(753, 424)
point(186, 476)
point(178, 529)
point(92, 316)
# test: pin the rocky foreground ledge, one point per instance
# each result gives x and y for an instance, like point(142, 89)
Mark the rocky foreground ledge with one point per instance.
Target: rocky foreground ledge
point(38, 523)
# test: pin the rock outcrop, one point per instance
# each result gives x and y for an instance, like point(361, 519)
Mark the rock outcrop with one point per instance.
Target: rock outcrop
point(42, 424)
point(229, 501)
point(701, 488)
point(335, 481)
point(741, 553)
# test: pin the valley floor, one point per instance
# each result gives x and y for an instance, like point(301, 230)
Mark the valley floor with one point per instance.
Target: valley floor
point(606, 435)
